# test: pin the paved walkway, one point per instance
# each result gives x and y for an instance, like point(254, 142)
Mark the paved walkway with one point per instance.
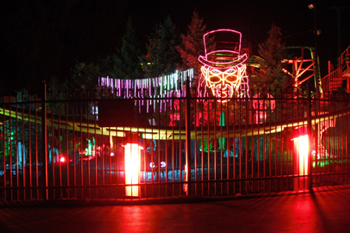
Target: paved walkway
point(323, 211)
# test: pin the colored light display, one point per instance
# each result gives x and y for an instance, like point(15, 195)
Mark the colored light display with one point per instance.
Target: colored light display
point(223, 70)
point(260, 106)
point(132, 169)
point(147, 89)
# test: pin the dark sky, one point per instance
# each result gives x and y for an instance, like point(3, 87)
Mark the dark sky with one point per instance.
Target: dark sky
point(43, 38)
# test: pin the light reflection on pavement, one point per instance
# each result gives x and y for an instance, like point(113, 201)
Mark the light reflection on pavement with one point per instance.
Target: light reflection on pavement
point(325, 211)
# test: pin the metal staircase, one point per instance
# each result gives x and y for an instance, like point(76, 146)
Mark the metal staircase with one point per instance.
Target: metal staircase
point(332, 81)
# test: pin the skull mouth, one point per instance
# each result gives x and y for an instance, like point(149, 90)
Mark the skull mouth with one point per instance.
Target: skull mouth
point(223, 93)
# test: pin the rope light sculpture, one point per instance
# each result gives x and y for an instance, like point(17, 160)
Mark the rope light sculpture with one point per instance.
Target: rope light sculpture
point(223, 70)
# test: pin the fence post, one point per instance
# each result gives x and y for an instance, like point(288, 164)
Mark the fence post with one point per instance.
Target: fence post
point(309, 132)
point(44, 144)
point(188, 136)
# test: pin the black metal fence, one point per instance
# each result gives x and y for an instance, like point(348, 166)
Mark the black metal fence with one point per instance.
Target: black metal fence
point(73, 146)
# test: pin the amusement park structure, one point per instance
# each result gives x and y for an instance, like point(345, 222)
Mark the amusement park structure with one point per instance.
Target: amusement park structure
point(182, 134)
point(224, 76)
point(301, 67)
point(340, 75)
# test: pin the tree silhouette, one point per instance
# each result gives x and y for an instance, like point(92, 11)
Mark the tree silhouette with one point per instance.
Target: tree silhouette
point(271, 76)
point(125, 64)
point(192, 43)
point(162, 56)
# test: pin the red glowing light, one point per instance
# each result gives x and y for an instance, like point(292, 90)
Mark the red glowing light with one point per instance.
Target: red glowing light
point(132, 168)
point(62, 159)
point(301, 144)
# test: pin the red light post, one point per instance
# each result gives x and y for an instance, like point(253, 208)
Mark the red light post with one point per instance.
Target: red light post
point(301, 162)
point(132, 169)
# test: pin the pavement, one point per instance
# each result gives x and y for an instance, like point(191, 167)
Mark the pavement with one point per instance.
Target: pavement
point(324, 210)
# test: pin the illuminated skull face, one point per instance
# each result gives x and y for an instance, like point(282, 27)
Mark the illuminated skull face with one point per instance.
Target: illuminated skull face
point(223, 82)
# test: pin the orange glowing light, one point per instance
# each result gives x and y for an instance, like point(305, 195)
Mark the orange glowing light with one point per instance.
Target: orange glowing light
point(301, 144)
point(224, 83)
point(132, 168)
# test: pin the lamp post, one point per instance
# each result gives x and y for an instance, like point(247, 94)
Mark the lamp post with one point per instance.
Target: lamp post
point(317, 72)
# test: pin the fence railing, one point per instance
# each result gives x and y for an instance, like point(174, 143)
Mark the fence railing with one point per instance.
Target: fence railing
point(332, 81)
point(194, 146)
point(344, 61)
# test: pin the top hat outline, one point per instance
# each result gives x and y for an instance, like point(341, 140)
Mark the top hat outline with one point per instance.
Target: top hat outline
point(234, 53)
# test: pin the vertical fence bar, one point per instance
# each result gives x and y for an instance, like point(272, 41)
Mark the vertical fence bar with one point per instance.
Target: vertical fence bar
point(81, 143)
point(67, 146)
point(59, 147)
point(188, 136)
point(23, 152)
point(228, 150)
point(37, 184)
point(246, 181)
point(98, 149)
point(11, 149)
point(250, 120)
point(75, 150)
point(215, 147)
point(309, 132)
point(17, 152)
point(4, 139)
point(44, 146)
point(53, 156)
point(173, 153)
point(208, 147)
point(30, 152)
point(234, 148)
point(202, 147)
point(93, 147)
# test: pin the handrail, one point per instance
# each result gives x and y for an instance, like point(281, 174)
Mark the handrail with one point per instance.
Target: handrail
point(344, 60)
point(332, 81)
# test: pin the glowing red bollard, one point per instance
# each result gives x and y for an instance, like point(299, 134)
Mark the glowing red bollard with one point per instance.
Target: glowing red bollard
point(301, 165)
point(132, 169)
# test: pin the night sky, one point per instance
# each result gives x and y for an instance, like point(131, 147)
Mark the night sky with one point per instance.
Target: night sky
point(44, 38)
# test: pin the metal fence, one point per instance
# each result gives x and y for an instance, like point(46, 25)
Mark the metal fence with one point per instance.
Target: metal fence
point(64, 147)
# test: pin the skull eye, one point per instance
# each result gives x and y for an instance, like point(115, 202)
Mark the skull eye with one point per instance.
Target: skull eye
point(231, 78)
point(215, 79)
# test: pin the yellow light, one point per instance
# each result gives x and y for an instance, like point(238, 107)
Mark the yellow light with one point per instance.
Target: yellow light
point(150, 136)
point(132, 168)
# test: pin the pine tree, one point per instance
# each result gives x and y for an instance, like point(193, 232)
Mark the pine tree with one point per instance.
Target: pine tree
point(162, 57)
point(84, 77)
point(125, 63)
point(192, 43)
point(272, 53)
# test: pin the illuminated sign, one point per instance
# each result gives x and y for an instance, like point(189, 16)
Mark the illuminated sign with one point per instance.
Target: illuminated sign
point(223, 68)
